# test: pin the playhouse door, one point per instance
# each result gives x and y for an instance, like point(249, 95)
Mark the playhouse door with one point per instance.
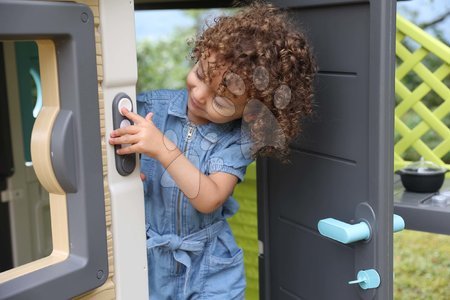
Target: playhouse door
point(341, 167)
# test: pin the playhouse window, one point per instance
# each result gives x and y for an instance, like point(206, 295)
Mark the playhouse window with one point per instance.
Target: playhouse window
point(25, 202)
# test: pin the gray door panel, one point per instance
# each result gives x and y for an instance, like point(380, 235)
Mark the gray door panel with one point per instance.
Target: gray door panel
point(342, 165)
point(318, 253)
point(342, 50)
point(304, 203)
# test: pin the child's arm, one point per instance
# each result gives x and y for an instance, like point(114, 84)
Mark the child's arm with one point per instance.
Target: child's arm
point(206, 193)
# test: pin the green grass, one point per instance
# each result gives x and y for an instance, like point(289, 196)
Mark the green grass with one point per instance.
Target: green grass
point(421, 266)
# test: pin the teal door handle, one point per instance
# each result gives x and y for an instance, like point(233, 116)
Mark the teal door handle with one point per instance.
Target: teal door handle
point(343, 232)
point(349, 233)
point(399, 223)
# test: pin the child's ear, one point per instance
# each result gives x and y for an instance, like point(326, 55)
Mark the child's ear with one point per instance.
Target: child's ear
point(248, 117)
point(251, 110)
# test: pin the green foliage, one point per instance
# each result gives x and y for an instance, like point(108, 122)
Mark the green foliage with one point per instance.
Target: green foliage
point(164, 64)
point(421, 266)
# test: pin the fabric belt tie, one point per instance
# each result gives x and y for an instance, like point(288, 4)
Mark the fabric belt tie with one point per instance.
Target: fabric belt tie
point(193, 243)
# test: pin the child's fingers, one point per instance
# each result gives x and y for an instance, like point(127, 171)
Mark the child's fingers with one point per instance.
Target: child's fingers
point(149, 116)
point(124, 139)
point(124, 130)
point(142, 175)
point(131, 115)
point(127, 150)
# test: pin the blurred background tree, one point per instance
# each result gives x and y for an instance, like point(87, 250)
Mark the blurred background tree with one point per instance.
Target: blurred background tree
point(430, 15)
point(165, 63)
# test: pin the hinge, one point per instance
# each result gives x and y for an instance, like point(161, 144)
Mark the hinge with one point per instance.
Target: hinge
point(12, 195)
point(260, 248)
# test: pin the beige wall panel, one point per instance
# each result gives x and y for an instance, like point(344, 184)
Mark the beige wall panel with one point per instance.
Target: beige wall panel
point(119, 74)
point(107, 290)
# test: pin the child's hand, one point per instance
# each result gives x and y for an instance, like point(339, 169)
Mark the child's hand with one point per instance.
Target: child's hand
point(142, 137)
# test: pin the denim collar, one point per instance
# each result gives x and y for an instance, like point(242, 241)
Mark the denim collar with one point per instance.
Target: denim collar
point(211, 131)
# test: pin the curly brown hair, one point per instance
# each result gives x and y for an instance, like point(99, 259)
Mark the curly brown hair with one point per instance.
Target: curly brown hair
point(275, 61)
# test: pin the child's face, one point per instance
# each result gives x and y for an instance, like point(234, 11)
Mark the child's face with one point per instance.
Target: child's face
point(204, 104)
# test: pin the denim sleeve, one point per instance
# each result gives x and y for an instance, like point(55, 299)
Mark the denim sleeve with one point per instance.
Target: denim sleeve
point(233, 158)
point(144, 103)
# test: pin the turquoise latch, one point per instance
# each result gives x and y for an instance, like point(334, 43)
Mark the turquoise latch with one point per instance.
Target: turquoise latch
point(367, 279)
point(399, 223)
point(343, 232)
point(349, 233)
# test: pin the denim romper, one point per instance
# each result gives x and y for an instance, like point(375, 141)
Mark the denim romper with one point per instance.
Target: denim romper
point(191, 255)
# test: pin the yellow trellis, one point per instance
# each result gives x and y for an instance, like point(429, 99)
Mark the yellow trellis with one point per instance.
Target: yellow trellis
point(412, 98)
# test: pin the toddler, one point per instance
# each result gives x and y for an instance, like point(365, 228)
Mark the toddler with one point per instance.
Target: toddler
point(250, 87)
